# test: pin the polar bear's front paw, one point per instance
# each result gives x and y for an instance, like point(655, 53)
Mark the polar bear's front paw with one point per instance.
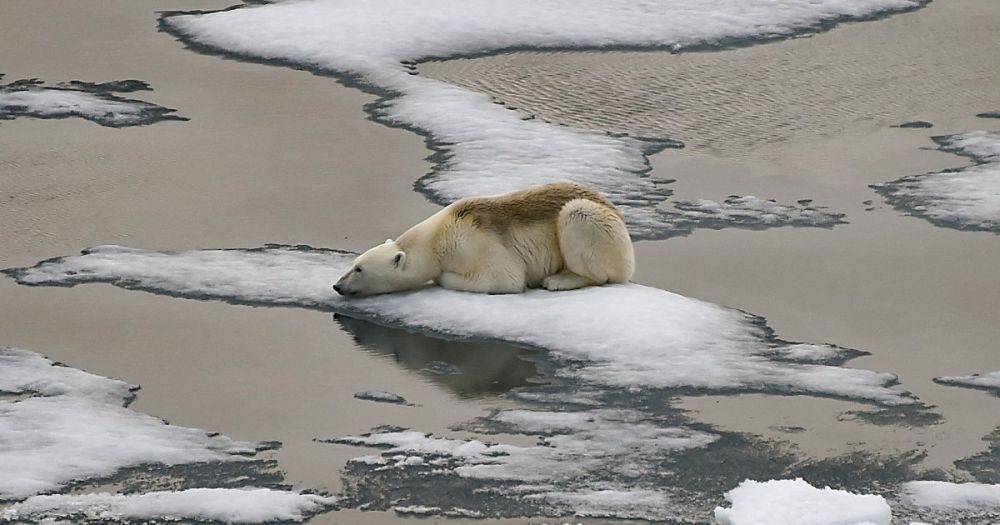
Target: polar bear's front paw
point(564, 281)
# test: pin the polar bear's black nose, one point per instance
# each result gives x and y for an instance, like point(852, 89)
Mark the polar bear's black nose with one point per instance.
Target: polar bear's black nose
point(338, 289)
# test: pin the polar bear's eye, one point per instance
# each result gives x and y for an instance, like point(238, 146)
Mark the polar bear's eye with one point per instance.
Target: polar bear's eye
point(358, 269)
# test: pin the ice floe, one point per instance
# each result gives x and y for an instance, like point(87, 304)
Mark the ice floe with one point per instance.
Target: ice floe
point(946, 495)
point(247, 505)
point(483, 148)
point(93, 102)
point(64, 425)
point(796, 501)
point(965, 198)
point(623, 336)
point(989, 381)
point(380, 396)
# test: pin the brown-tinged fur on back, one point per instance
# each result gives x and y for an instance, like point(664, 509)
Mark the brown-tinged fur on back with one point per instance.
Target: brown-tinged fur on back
point(540, 203)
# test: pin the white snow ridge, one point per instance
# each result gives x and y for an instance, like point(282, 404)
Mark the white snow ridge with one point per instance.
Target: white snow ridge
point(952, 496)
point(248, 505)
point(964, 199)
point(68, 425)
point(794, 501)
point(989, 381)
point(485, 148)
point(622, 336)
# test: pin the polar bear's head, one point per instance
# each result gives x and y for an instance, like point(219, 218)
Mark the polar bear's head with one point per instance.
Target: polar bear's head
point(382, 269)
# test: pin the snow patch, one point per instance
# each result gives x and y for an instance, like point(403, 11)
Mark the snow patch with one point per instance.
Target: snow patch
point(796, 501)
point(964, 199)
point(627, 336)
point(417, 510)
point(951, 496)
point(75, 426)
point(248, 505)
point(93, 102)
point(989, 381)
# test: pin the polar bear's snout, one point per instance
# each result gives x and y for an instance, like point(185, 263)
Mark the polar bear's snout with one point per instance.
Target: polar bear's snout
point(344, 288)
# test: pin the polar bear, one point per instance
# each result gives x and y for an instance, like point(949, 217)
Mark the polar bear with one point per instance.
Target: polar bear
point(558, 236)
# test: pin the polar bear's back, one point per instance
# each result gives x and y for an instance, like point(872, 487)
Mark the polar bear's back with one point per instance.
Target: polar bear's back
point(533, 205)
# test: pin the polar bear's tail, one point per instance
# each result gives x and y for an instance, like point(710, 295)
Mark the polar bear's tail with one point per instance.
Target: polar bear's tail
point(595, 243)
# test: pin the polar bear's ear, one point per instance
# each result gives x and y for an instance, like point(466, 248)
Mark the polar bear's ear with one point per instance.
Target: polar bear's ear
point(388, 241)
point(399, 259)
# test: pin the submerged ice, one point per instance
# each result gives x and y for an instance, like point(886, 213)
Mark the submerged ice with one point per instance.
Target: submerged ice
point(93, 102)
point(965, 198)
point(623, 336)
point(483, 148)
point(592, 463)
point(380, 396)
point(578, 443)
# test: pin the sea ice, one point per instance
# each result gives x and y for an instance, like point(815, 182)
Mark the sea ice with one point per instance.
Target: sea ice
point(94, 102)
point(750, 211)
point(966, 198)
point(24, 372)
point(945, 495)
point(989, 381)
point(564, 470)
point(621, 336)
point(793, 501)
point(381, 397)
point(68, 425)
point(614, 503)
point(482, 147)
point(246, 505)
point(416, 510)
point(915, 124)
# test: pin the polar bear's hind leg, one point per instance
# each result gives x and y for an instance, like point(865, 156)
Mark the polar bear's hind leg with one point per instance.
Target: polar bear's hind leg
point(595, 246)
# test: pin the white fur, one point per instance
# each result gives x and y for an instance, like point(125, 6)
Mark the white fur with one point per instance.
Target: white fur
point(586, 245)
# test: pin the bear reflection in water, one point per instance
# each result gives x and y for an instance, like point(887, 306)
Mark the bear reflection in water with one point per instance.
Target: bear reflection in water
point(469, 368)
